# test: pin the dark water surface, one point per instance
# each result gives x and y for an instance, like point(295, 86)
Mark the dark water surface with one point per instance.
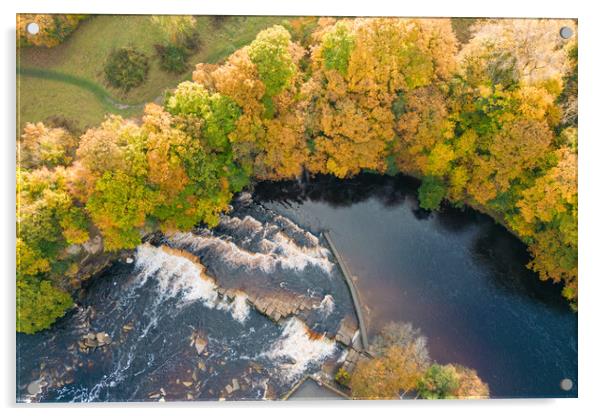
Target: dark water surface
point(154, 308)
point(455, 274)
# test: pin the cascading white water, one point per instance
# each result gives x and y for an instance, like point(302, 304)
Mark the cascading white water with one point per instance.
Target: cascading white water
point(277, 250)
point(297, 348)
point(179, 276)
point(326, 305)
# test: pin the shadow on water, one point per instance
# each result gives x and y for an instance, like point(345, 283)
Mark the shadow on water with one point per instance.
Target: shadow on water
point(455, 273)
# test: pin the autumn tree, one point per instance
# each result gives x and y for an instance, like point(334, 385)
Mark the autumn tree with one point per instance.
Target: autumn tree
point(451, 381)
point(271, 55)
point(53, 28)
point(362, 70)
point(43, 146)
point(110, 177)
point(177, 29)
point(39, 304)
point(470, 384)
point(264, 81)
point(191, 163)
point(547, 217)
point(48, 221)
point(400, 359)
point(530, 50)
point(439, 382)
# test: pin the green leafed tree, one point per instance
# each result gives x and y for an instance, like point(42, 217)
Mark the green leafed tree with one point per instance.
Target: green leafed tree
point(39, 304)
point(270, 53)
point(336, 48)
point(438, 382)
point(431, 193)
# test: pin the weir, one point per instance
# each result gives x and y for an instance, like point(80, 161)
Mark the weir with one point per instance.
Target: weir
point(351, 285)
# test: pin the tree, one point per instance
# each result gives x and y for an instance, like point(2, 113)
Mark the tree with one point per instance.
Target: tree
point(39, 304)
point(400, 359)
point(43, 146)
point(116, 145)
point(48, 220)
point(336, 48)
point(177, 29)
point(195, 173)
point(218, 113)
point(439, 382)
point(451, 381)
point(271, 55)
point(357, 94)
point(529, 50)
point(397, 370)
point(118, 207)
point(471, 386)
point(547, 216)
point(431, 193)
point(53, 28)
point(268, 140)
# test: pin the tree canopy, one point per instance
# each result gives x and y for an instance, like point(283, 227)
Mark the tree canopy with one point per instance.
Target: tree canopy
point(492, 125)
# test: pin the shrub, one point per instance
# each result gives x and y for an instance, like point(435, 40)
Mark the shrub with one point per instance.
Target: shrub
point(126, 68)
point(342, 377)
point(172, 58)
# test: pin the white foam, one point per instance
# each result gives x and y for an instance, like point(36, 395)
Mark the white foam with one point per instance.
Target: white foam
point(326, 305)
point(239, 307)
point(175, 275)
point(178, 276)
point(296, 345)
point(248, 224)
point(279, 251)
point(295, 228)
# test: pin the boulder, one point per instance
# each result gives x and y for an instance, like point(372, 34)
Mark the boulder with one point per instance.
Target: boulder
point(103, 338)
point(200, 344)
point(34, 388)
point(90, 342)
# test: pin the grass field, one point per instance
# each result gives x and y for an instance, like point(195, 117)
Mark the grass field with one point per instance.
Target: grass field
point(68, 80)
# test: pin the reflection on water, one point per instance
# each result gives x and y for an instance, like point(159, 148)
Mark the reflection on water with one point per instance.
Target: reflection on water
point(455, 274)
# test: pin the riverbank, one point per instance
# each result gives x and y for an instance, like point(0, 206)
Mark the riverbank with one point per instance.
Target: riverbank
point(212, 281)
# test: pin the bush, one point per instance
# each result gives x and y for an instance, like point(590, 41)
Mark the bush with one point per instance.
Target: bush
point(342, 377)
point(126, 68)
point(172, 58)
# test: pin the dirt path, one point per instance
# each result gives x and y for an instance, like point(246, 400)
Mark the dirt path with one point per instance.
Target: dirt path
point(111, 104)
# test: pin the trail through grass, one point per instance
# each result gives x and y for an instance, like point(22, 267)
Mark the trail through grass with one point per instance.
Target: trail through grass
point(68, 80)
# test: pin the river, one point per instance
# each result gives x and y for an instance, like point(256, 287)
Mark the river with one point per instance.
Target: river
point(454, 274)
